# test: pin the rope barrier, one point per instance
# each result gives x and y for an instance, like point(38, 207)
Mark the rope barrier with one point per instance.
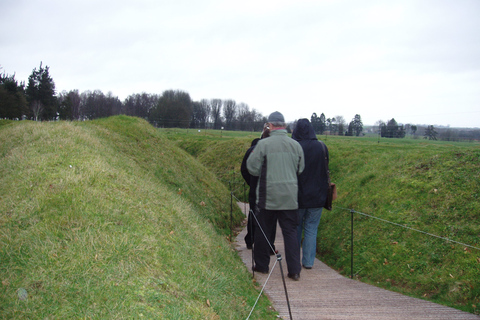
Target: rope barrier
point(263, 288)
point(238, 200)
point(403, 226)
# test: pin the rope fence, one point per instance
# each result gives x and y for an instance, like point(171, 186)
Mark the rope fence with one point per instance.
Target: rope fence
point(392, 223)
point(409, 228)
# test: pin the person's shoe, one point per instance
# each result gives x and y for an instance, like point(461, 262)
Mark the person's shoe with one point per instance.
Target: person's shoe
point(255, 269)
point(307, 267)
point(295, 276)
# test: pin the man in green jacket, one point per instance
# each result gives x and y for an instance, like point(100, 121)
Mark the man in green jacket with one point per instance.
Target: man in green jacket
point(277, 161)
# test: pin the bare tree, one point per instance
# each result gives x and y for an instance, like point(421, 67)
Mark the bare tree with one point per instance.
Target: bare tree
point(258, 120)
point(207, 106)
point(75, 100)
point(216, 108)
point(244, 116)
point(199, 115)
point(229, 113)
point(140, 104)
point(37, 109)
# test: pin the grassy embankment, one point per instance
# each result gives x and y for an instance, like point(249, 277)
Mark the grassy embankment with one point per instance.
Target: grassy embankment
point(109, 220)
point(425, 185)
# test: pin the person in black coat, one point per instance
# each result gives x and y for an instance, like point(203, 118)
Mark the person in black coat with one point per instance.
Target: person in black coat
point(312, 189)
point(252, 182)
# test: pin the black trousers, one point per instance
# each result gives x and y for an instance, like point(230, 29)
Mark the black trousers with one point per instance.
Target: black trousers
point(288, 220)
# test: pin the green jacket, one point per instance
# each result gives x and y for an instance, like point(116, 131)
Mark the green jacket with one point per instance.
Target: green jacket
point(277, 161)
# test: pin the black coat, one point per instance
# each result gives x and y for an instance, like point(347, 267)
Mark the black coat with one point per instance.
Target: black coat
point(313, 181)
point(249, 179)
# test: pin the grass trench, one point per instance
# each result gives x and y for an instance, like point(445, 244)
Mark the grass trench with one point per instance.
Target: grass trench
point(432, 186)
point(428, 186)
point(108, 219)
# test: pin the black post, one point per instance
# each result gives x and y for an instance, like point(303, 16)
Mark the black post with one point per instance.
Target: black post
point(231, 211)
point(351, 245)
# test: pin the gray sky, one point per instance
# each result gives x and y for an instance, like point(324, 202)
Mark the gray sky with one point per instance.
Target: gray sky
point(417, 61)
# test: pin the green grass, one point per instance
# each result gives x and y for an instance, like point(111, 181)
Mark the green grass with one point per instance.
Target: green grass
point(220, 151)
point(108, 219)
point(432, 186)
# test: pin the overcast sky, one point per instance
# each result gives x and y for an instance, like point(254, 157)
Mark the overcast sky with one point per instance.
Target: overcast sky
point(416, 61)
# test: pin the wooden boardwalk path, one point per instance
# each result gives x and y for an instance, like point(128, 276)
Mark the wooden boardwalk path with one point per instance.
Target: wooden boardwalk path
point(322, 293)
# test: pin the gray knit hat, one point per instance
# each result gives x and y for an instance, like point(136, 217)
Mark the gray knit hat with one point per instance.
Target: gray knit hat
point(275, 117)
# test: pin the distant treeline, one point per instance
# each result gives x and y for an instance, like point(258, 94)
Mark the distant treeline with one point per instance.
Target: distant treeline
point(391, 129)
point(173, 108)
point(38, 100)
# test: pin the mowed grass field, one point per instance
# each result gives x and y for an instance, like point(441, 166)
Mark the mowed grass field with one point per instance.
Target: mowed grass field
point(428, 193)
point(109, 219)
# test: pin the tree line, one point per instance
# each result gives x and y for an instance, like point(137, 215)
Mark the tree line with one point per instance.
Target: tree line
point(38, 100)
point(337, 125)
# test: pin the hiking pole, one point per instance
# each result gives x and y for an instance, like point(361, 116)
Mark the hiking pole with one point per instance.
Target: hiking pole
point(231, 210)
point(279, 259)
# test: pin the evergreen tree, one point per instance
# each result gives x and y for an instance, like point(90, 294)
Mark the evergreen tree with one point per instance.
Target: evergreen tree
point(319, 123)
point(392, 130)
point(41, 94)
point(322, 124)
point(13, 104)
point(357, 125)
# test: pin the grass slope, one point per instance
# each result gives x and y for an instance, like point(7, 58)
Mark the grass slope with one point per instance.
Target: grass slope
point(425, 185)
point(108, 219)
point(221, 152)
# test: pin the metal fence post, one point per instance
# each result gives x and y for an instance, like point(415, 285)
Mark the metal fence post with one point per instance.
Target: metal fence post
point(231, 211)
point(351, 245)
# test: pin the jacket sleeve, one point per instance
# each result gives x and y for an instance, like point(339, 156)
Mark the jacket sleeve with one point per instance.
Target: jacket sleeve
point(301, 164)
point(243, 167)
point(254, 161)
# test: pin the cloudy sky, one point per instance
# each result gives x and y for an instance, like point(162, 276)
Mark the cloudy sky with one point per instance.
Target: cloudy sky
point(417, 61)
